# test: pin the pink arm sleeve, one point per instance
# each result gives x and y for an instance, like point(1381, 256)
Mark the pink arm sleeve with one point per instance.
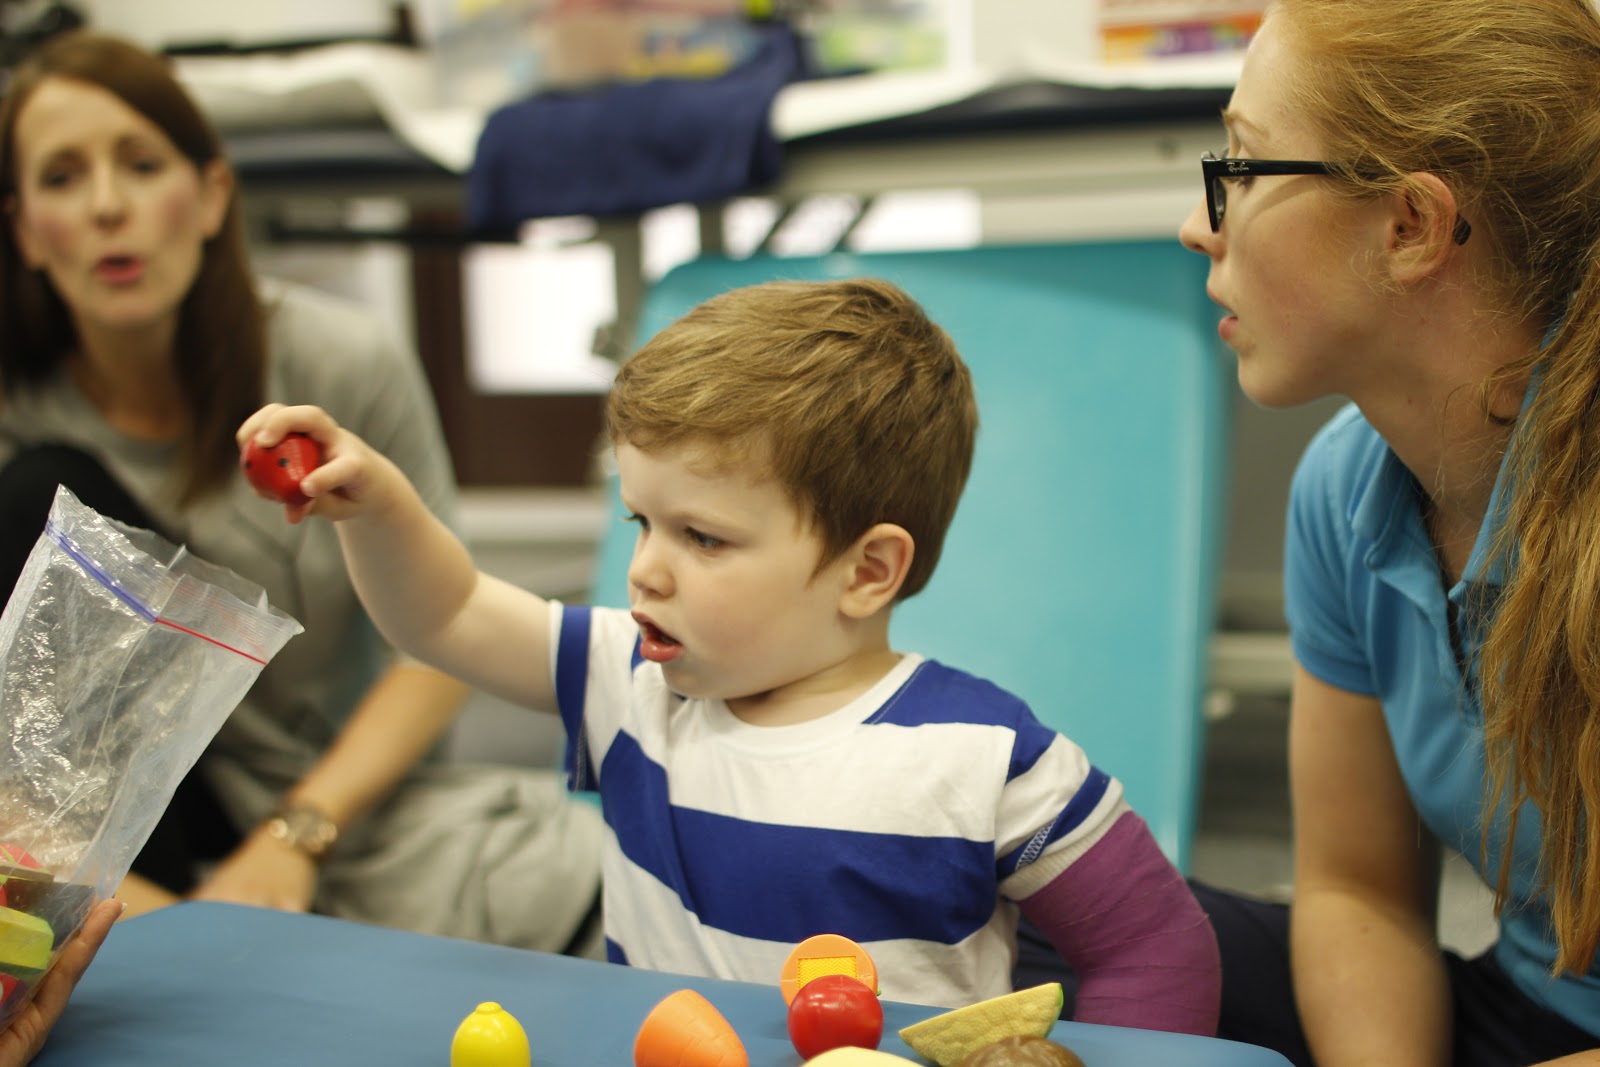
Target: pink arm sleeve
point(1122, 917)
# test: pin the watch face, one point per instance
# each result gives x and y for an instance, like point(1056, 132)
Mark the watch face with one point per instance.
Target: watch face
point(304, 828)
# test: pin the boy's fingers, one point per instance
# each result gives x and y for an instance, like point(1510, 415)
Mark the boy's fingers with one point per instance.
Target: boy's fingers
point(274, 422)
point(249, 428)
point(258, 427)
point(338, 471)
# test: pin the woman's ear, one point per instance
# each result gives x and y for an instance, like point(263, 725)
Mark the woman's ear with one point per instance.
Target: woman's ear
point(1425, 227)
point(875, 569)
point(19, 233)
point(216, 193)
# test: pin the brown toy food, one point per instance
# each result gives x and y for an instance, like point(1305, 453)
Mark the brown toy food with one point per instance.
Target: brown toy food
point(1023, 1050)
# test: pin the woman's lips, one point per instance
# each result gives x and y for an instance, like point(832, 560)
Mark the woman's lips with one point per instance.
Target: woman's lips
point(119, 270)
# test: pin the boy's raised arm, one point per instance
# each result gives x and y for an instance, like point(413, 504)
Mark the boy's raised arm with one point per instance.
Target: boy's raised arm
point(416, 579)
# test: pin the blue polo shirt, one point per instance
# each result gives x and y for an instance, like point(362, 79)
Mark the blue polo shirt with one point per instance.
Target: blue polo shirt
point(1368, 613)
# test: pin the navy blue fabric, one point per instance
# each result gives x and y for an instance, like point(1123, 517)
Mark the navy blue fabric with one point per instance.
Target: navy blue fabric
point(1496, 1025)
point(630, 147)
point(572, 663)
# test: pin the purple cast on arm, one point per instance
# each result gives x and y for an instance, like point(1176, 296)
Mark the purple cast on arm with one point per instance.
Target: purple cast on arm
point(1122, 917)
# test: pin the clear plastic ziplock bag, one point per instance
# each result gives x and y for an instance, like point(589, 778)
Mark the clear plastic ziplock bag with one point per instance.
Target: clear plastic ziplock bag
point(120, 657)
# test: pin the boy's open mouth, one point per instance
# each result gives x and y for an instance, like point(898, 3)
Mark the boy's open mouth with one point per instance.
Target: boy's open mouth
point(655, 644)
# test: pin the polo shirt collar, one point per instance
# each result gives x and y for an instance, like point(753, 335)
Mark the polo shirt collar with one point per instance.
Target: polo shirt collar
point(1389, 499)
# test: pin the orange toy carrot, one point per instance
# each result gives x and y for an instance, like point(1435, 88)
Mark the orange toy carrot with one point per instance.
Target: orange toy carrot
point(684, 1030)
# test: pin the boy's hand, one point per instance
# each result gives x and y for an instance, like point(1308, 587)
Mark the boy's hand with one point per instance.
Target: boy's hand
point(352, 479)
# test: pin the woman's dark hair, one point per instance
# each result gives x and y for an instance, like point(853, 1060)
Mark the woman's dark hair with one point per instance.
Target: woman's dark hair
point(220, 345)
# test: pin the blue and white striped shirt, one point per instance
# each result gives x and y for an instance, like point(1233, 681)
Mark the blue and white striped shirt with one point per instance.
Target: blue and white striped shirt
point(906, 820)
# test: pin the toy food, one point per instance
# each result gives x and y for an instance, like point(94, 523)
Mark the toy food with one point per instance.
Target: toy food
point(11, 990)
point(823, 954)
point(14, 862)
point(25, 944)
point(833, 1011)
point(25, 940)
point(1023, 1050)
point(850, 1056)
point(490, 1037)
point(950, 1038)
point(37, 914)
point(278, 471)
point(684, 1030)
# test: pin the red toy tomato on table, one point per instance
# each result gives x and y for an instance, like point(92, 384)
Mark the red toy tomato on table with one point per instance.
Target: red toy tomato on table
point(278, 471)
point(832, 1011)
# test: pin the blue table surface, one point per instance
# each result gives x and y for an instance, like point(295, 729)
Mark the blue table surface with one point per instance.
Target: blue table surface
point(207, 984)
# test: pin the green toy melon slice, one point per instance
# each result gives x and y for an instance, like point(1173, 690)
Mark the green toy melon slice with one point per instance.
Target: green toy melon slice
point(947, 1039)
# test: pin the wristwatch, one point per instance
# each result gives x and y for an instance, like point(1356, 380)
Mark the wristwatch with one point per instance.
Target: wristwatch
point(303, 827)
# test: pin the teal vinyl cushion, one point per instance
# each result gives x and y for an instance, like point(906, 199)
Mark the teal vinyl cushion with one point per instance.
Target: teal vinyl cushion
point(1080, 569)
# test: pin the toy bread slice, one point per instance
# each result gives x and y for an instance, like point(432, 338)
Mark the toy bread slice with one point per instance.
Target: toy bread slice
point(850, 1056)
point(949, 1038)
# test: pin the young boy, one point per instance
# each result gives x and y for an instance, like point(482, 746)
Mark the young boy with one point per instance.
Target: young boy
point(769, 767)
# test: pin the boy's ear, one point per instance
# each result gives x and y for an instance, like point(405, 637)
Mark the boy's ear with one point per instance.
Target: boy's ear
point(876, 568)
point(1425, 227)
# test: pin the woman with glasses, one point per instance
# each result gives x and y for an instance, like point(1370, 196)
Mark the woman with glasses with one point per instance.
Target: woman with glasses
point(1408, 215)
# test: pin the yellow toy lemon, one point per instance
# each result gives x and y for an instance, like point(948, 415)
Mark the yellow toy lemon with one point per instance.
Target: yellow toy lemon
point(490, 1037)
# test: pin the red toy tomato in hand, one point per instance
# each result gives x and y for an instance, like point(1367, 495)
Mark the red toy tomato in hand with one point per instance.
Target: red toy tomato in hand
point(277, 471)
point(832, 1011)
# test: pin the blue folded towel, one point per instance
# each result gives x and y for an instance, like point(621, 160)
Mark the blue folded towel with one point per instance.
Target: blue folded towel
point(629, 147)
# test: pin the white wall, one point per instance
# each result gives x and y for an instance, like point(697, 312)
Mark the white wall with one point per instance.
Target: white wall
point(1005, 31)
point(155, 23)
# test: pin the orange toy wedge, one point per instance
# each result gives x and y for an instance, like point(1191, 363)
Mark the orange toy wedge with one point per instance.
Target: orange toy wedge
point(684, 1030)
point(823, 954)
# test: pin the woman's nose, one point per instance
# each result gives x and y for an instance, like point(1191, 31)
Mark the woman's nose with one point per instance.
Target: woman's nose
point(108, 199)
point(1195, 233)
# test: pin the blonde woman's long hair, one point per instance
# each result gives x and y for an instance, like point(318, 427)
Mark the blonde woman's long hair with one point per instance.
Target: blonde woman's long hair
point(1501, 99)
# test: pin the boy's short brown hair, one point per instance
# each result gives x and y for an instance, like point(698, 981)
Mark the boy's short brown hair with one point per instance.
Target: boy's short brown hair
point(858, 402)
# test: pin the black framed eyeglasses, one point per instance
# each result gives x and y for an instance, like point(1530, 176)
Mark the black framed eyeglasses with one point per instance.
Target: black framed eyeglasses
point(1218, 171)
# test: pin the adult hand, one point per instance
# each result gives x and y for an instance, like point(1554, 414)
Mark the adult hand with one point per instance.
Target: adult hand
point(21, 1041)
point(263, 872)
